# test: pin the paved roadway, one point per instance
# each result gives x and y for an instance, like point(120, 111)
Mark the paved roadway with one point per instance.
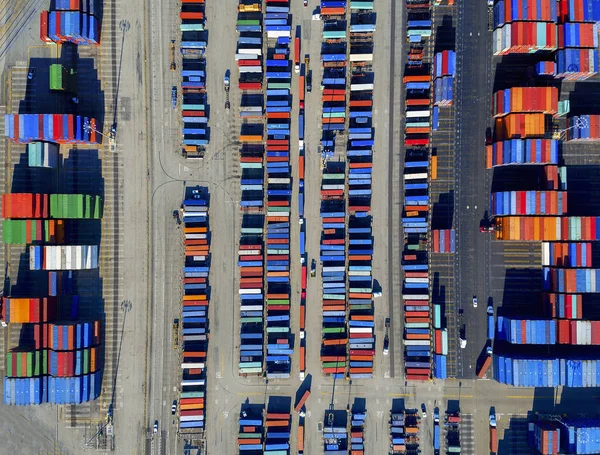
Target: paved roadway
point(473, 89)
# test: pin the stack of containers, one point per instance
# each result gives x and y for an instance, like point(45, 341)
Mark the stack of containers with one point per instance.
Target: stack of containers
point(42, 154)
point(522, 151)
point(444, 240)
point(47, 389)
point(525, 99)
point(22, 232)
point(581, 436)
point(571, 280)
point(357, 433)
point(193, 40)
point(61, 128)
point(277, 439)
point(418, 88)
point(444, 70)
point(26, 310)
point(583, 128)
point(411, 430)
point(252, 152)
point(557, 254)
point(26, 363)
point(25, 205)
point(528, 203)
point(452, 432)
point(72, 349)
point(520, 27)
point(549, 228)
point(521, 125)
point(250, 433)
point(417, 29)
point(545, 437)
point(193, 108)
point(577, 55)
point(72, 21)
point(193, 78)
point(249, 46)
point(250, 261)
point(525, 331)
point(279, 195)
point(333, 272)
point(335, 440)
point(398, 444)
point(333, 60)
point(278, 26)
point(545, 68)
point(439, 357)
point(194, 312)
point(79, 206)
point(547, 371)
point(564, 306)
point(360, 303)
point(66, 257)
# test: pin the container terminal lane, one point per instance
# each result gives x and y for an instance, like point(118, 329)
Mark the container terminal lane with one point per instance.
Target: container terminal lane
point(156, 190)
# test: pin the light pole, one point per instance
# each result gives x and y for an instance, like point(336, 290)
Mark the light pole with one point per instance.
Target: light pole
point(89, 127)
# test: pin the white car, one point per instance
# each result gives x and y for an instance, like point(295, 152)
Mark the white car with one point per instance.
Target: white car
point(463, 343)
point(155, 429)
point(474, 302)
point(174, 407)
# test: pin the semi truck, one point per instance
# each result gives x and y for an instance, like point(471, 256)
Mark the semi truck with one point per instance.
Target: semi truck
point(493, 434)
point(486, 363)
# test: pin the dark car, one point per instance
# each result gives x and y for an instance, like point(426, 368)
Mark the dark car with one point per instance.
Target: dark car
point(488, 136)
point(31, 73)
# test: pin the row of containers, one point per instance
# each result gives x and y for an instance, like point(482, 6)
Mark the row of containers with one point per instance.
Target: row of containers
point(48, 389)
point(415, 262)
point(194, 112)
point(546, 371)
point(57, 363)
point(412, 439)
point(42, 154)
point(251, 252)
point(60, 128)
point(443, 240)
point(522, 151)
point(444, 70)
point(63, 257)
point(548, 228)
point(359, 159)
point(528, 203)
point(77, 27)
point(565, 254)
point(193, 324)
point(562, 306)
point(570, 435)
point(58, 206)
point(335, 438)
point(552, 331)
point(452, 424)
point(278, 77)
point(251, 432)
point(22, 232)
point(525, 99)
point(397, 434)
point(332, 250)
point(334, 49)
point(357, 432)
point(583, 280)
point(332, 256)
point(570, 28)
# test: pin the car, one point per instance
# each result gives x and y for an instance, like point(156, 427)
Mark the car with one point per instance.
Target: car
point(197, 191)
point(377, 294)
point(488, 136)
point(174, 407)
point(155, 429)
point(474, 302)
point(174, 97)
point(31, 73)
point(313, 268)
point(386, 345)
point(463, 343)
point(424, 410)
point(305, 3)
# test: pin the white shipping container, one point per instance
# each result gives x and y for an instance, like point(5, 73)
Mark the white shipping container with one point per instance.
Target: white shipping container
point(358, 273)
point(334, 269)
point(69, 256)
point(278, 180)
point(361, 330)
point(421, 176)
point(195, 236)
point(279, 33)
point(416, 280)
point(188, 382)
point(416, 342)
point(251, 308)
point(198, 418)
point(192, 365)
point(545, 253)
point(416, 297)
point(200, 258)
point(361, 57)
point(249, 252)
point(249, 291)
point(360, 87)
point(253, 51)
point(286, 214)
point(418, 114)
point(332, 187)
point(250, 69)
